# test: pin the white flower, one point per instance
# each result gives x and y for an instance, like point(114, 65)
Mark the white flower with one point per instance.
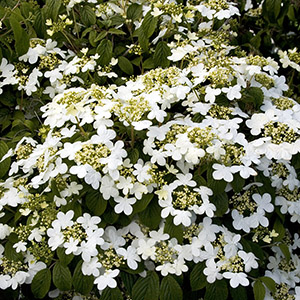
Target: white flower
point(236, 279)
point(107, 279)
point(124, 205)
point(87, 221)
point(141, 171)
point(249, 260)
point(130, 254)
point(222, 172)
point(210, 94)
point(212, 271)
point(36, 234)
point(146, 248)
point(263, 202)
point(20, 246)
point(91, 267)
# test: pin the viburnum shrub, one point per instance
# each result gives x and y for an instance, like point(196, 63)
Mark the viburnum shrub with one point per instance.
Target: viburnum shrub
point(166, 161)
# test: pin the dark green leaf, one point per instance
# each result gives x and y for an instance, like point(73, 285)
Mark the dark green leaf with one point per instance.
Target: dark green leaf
point(143, 40)
point(20, 35)
point(4, 165)
point(125, 65)
point(162, 51)
point(269, 282)
point(253, 95)
point(116, 31)
point(51, 9)
point(63, 257)
point(128, 280)
point(280, 229)
point(151, 216)
point(142, 203)
point(149, 24)
point(149, 63)
point(197, 278)
point(134, 11)
point(62, 277)
point(87, 15)
point(41, 283)
point(173, 230)
point(105, 50)
point(146, 288)
point(238, 293)
point(10, 252)
point(111, 294)
point(95, 202)
point(286, 251)
point(170, 289)
point(133, 155)
point(82, 284)
point(221, 203)
point(259, 290)
point(237, 183)
point(217, 290)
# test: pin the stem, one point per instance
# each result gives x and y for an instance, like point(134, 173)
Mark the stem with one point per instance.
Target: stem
point(75, 24)
point(80, 127)
point(17, 4)
point(70, 42)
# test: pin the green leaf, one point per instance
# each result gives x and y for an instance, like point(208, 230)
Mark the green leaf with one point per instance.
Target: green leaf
point(279, 228)
point(286, 251)
point(111, 294)
point(125, 65)
point(63, 257)
point(4, 165)
point(87, 15)
point(253, 95)
point(82, 284)
point(116, 31)
point(10, 252)
point(40, 284)
point(221, 203)
point(291, 13)
point(149, 24)
point(259, 290)
point(133, 155)
point(51, 9)
point(149, 63)
point(62, 277)
point(146, 288)
point(143, 40)
point(20, 35)
point(95, 202)
point(197, 278)
point(269, 282)
point(162, 51)
point(105, 50)
point(170, 289)
point(173, 230)
point(142, 203)
point(217, 290)
point(237, 183)
point(134, 12)
point(238, 293)
point(151, 216)
point(128, 280)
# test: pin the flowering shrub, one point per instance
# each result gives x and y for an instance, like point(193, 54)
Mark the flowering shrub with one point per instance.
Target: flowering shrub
point(166, 162)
